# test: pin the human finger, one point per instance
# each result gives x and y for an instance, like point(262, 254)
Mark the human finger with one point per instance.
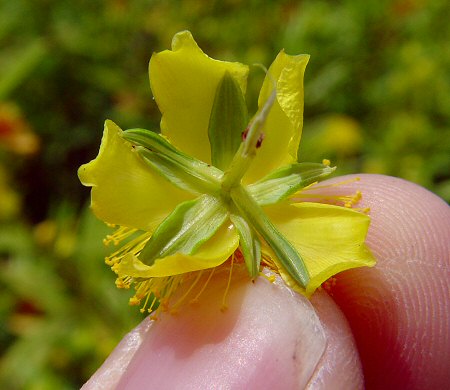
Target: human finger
point(269, 337)
point(399, 310)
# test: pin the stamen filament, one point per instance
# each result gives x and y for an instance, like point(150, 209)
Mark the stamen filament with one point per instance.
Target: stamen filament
point(224, 299)
point(119, 235)
point(344, 200)
point(142, 310)
point(188, 291)
point(133, 247)
point(150, 308)
point(204, 287)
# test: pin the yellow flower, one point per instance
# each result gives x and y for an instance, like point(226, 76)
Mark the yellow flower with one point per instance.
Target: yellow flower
point(214, 186)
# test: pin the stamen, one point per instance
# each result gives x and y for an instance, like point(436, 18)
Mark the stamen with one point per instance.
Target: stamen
point(340, 183)
point(195, 300)
point(340, 200)
point(142, 310)
point(150, 309)
point(172, 286)
point(123, 282)
point(142, 289)
point(266, 261)
point(154, 294)
point(134, 301)
point(134, 247)
point(224, 304)
point(119, 235)
point(177, 304)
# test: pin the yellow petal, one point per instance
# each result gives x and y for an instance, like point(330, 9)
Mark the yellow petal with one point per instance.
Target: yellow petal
point(125, 191)
point(184, 81)
point(284, 123)
point(211, 254)
point(330, 239)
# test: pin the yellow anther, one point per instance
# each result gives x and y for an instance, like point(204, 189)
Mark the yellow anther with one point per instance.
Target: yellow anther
point(122, 282)
point(134, 301)
point(145, 303)
point(326, 162)
point(155, 294)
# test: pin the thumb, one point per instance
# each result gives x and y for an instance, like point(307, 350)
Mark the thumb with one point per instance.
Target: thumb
point(268, 338)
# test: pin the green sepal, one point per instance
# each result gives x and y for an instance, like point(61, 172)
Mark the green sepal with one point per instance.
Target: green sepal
point(249, 244)
point(158, 144)
point(286, 254)
point(177, 174)
point(286, 181)
point(191, 224)
point(227, 122)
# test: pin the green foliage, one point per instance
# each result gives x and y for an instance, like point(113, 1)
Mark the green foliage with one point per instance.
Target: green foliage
point(60, 312)
point(378, 87)
point(377, 99)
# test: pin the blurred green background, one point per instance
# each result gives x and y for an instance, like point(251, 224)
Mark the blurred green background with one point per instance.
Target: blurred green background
point(377, 99)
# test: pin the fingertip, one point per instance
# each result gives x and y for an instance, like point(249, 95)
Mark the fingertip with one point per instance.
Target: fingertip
point(340, 367)
point(109, 374)
point(269, 337)
point(399, 310)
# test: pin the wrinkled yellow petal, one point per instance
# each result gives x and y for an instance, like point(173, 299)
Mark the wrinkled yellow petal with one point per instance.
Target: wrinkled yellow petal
point(184, 82)
point(125, 191)
point(211, 254)
point(284, 123)
point(330, 239)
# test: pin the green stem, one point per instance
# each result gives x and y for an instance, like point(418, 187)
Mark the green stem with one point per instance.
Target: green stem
point(247, 150)
point(285, 252)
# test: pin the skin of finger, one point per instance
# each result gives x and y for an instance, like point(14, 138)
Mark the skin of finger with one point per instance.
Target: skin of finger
point(268, 338)
point(108, 375)
point(399, 310)
point(340, 367)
